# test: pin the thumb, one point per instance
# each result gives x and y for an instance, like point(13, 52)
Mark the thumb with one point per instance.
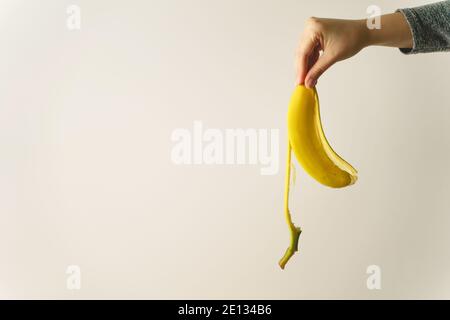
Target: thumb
point(322, 64)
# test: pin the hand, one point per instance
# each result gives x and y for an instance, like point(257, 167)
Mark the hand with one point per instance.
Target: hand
point(327, 41)
point(324, 42)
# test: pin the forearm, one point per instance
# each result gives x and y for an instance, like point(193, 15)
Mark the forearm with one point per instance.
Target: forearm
point(413, 30)
point(394, 31)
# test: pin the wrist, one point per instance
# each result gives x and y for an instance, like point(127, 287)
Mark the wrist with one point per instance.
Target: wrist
point(365, 36)
point(393, 32)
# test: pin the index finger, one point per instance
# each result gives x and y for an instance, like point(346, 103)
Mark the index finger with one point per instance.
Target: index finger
point(305, 49)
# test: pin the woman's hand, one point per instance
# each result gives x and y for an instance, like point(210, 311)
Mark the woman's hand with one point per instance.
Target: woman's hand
point(327, 41)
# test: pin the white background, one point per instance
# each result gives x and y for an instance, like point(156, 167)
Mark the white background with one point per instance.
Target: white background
point(86, 176)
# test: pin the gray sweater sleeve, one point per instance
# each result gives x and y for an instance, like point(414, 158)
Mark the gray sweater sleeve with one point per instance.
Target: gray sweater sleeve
point(430, 27)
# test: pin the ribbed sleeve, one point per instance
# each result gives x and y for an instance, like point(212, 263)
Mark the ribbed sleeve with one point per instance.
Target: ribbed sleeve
point(430, 27)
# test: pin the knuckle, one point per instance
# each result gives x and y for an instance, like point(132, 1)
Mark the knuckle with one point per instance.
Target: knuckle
point(319, 70)
point(313, 23)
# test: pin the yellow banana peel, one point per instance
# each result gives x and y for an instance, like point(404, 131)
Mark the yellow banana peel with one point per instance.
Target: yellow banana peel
point(313, 152)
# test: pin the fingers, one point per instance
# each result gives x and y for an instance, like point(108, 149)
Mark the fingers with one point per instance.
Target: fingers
point(325, 61)
point(305, 50)
point(310, 64)
point(337, 39)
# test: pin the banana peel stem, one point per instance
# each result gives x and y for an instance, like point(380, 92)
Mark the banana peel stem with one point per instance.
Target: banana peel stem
point(295, 231)
point(293, 247)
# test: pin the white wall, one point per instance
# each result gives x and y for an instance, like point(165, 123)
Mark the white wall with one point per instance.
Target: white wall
point(86, 176)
